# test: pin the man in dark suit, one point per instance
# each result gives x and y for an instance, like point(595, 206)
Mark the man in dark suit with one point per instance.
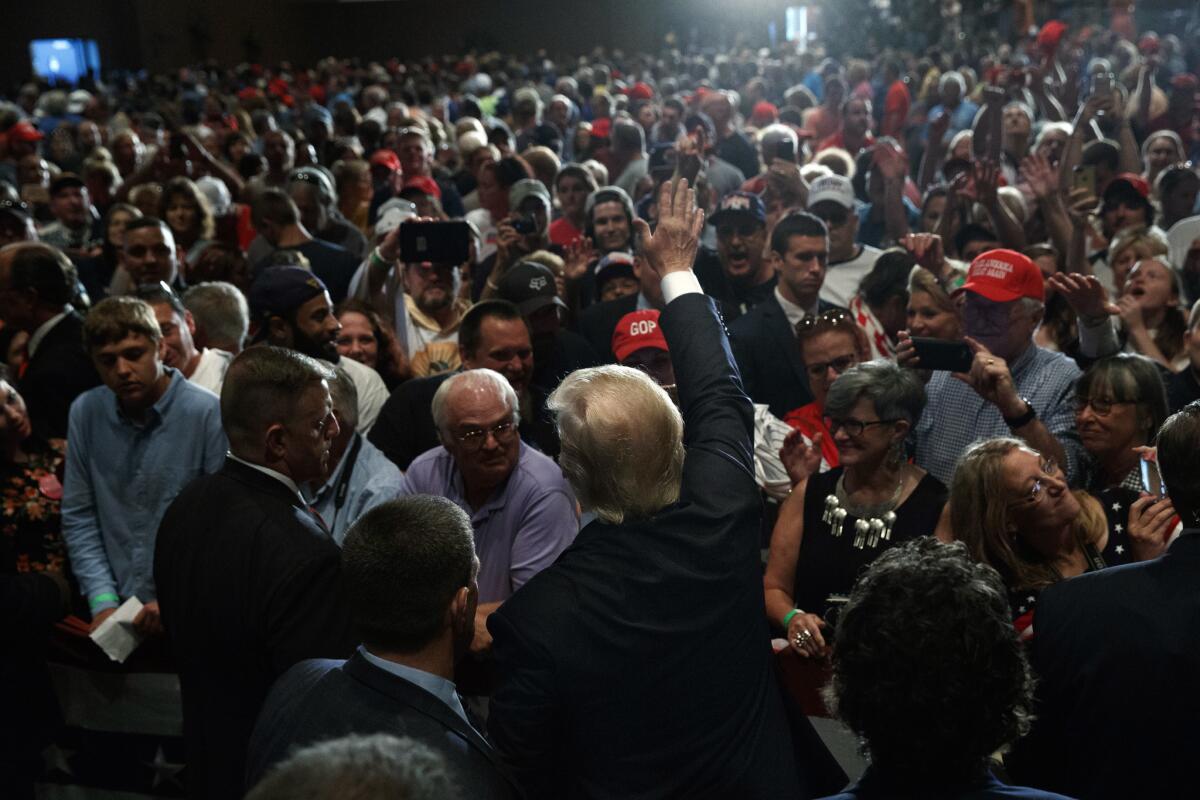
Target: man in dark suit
point(1117, 653)
point(638, 665)
point(249, 579)
point(410, 571)
point(492, 336)
point(764, 339)
point(37, 283)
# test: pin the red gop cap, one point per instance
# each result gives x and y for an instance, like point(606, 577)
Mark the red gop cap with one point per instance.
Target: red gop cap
point(636, 330)
point(1003, 276)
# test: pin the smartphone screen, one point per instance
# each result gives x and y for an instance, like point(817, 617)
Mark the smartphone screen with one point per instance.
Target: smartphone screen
point(943, 354)
point(1151, 480)
point(1085, 177)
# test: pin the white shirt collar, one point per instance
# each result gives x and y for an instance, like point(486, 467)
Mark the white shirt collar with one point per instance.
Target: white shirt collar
point(279, 476)
point(36, 338)
point(793, 312)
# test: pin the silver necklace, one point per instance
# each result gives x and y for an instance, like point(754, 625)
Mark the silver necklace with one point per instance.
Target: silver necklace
point(873, 523)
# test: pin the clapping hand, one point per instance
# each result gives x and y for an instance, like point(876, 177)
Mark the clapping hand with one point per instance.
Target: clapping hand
point(801, 458)
point(672, 246)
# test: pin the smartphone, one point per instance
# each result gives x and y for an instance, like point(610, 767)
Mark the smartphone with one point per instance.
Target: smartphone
point(435, 242)
point(1102, 84)
point(1085, 177)
point(943, 354)
point(834, 605)
point(1151, 480)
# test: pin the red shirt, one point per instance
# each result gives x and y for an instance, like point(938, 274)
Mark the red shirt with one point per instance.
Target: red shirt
point(895, 106)
point(563, 233)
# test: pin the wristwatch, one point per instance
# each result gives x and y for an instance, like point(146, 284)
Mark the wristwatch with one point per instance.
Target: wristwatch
point(1024, 419)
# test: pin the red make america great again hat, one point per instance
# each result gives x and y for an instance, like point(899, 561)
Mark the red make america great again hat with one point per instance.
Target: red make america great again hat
point(1004, 275)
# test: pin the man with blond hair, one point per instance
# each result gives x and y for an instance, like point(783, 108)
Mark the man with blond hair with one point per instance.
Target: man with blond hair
point(637, 664)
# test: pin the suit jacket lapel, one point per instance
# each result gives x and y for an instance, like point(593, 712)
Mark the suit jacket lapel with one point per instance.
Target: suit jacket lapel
point(785, 338)
point(420, 700)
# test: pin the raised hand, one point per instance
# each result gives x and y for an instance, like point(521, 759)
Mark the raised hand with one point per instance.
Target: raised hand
point(579, 254)
point(1040, 174)
point(1085, 294)
point(800, 458)
point(928, 250)
point(672, 246)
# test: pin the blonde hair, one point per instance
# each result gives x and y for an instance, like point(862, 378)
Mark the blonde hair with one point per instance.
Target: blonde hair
point(1152, 244)
point(549, 260)
point(979, 517)
point(622, 442)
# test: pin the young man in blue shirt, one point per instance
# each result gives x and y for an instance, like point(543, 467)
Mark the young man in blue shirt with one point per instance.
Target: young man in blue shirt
point(135, 442)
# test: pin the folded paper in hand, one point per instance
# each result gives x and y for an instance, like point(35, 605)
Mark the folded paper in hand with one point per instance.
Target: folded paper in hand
point(116, 635)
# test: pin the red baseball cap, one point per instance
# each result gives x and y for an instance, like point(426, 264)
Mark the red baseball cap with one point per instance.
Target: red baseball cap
point(640, 91)
point(423, 184)
point(386, 158)
point(1004, 275)
point(24, 131)
point(1135, 181)
point(636, 330)
point(601, 128)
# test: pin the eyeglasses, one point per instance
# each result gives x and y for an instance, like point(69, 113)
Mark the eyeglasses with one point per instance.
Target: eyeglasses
point(832, 318)
point(474, 439)
point(853, 427)
point(838, 365)
point(1037, 491)
point(1101, 406)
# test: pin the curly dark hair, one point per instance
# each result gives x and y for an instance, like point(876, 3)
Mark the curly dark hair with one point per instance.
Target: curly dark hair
point(927, 669)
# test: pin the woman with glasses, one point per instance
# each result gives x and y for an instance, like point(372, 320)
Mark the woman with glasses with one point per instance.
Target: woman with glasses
point(836, 523)
point(1012, 508)
point(1120, 404)
point(830, 343)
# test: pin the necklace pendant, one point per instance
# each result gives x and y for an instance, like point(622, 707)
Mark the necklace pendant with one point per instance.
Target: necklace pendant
point(831, 503)
point(838, 519)
point(861, 528)
point(875, 533)
point(889, 521)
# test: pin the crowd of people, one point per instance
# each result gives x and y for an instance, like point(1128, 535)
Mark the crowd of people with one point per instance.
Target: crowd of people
point(509, 420)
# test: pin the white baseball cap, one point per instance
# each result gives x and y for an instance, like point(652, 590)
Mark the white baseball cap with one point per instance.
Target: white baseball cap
point(831, 187)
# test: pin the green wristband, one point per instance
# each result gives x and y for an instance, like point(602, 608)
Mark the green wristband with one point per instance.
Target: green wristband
point(788, 617)
point(107, 597)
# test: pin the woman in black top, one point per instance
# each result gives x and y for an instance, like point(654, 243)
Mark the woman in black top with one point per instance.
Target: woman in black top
point(836, 523)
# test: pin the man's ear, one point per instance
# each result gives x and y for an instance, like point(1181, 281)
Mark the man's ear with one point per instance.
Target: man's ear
point(279, 332)
point(275, 442)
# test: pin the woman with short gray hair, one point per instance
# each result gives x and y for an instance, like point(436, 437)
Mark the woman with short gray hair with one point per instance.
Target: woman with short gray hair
point(834, 524)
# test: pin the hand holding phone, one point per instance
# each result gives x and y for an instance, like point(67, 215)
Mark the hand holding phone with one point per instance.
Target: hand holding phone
point(944, 355)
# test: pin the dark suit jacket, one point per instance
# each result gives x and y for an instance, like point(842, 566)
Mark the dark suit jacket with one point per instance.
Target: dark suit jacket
point(639, 664)
point(768, 357)
point(405, 429)
point(248, 585)
point(59, 371)
point(599, 320)
point(1118, 655)
point(319, 699)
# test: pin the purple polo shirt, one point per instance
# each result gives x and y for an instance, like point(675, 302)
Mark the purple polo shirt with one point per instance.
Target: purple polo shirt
point(519, 531)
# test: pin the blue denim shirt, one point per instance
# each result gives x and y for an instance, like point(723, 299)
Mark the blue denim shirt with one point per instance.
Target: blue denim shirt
point(120, 478)
point(373, 479)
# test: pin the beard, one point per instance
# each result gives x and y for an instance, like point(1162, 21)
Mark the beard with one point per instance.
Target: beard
point(325, 350)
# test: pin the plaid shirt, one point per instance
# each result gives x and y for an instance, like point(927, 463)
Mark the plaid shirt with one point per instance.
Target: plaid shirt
point(955, 416)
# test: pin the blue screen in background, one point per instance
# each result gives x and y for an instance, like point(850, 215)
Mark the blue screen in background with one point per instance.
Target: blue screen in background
point(64, 60)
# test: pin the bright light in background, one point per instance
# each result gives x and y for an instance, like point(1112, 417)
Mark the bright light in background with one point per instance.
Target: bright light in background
point(796, 18)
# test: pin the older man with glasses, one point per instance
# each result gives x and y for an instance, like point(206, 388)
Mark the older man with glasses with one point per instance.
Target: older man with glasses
point(1014, 387)
point(521, 507)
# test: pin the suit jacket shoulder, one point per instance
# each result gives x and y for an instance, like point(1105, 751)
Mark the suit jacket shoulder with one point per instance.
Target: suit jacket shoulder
point(324, 699)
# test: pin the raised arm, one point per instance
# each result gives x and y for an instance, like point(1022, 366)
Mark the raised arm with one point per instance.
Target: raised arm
point(716, 410)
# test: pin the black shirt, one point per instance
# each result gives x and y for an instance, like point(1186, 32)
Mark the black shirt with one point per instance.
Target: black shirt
point(733, 297)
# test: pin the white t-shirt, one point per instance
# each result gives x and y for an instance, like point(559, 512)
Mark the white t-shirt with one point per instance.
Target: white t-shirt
point(372, 392)
point(842, 279)
point(210, 372)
